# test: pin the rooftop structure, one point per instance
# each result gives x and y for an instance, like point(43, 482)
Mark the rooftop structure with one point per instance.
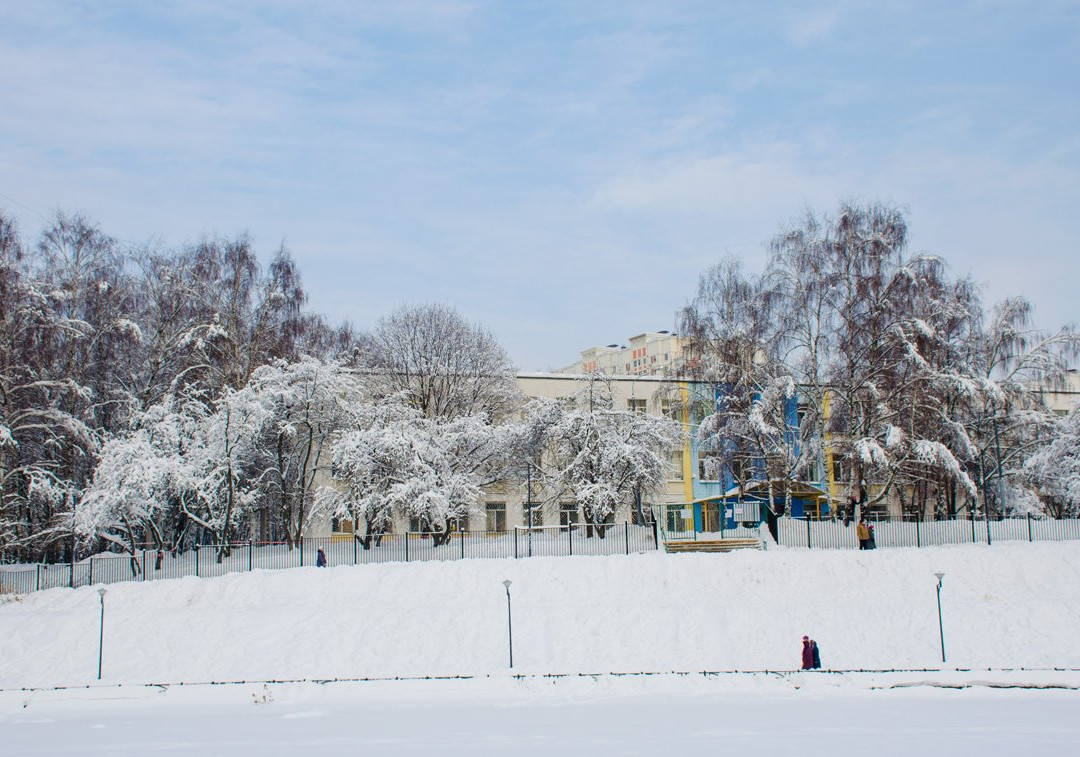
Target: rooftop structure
point(654, 353)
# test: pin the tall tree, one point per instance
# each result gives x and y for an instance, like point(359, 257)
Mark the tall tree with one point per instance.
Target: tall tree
point(446, 367)
point(597, 456)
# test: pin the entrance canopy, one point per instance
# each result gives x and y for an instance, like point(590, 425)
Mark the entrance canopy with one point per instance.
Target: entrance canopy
point(806, 499)
point(760, 490)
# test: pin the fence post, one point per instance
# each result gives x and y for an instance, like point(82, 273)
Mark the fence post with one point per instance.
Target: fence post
point(461, 540)
point(1029, 527)
point(301, 540)
point(91, 582)
point(808, 545)
point(251, 555)
point(38, 577)
point(515, 543)
point(626, 530)
point(72, 568)
point(144, 565)
point(570, 534)
point(406, 546)
point(918, 537)
point(196, 560)
point(987, 514)
point(971, 519)
point(355, 549)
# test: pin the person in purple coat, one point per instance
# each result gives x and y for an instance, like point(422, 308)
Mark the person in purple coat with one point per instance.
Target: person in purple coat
point(807, 654)
point(320, 558)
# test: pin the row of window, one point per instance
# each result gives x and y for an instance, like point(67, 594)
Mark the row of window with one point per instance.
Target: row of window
point(495, 514)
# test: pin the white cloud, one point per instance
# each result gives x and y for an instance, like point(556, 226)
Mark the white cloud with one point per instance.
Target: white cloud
point(813, 27)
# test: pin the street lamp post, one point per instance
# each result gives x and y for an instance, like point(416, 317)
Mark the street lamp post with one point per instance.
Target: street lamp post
point(941, 627)
point(509, 621)
point(528, 503)
point(101, 630)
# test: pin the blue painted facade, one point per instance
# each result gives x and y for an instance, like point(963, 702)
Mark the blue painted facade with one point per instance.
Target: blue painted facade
point(708, 505)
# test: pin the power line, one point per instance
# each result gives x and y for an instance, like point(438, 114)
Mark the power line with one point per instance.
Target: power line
point(23, 205)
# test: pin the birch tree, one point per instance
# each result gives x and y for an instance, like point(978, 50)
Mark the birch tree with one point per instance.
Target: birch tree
point(445, 367)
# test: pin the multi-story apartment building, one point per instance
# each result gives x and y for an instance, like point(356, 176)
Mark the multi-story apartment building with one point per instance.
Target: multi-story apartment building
point(654, 353)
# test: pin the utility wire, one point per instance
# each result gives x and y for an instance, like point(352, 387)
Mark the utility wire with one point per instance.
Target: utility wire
point(23, 205)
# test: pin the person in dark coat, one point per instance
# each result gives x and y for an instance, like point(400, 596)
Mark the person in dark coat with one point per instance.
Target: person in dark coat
point(871, 543)
point(816, 655)
point(807, 654)
point(320, 558)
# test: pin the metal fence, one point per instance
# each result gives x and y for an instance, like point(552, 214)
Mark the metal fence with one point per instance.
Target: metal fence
point(554, 541)
point(836, 534)
point(209, 560)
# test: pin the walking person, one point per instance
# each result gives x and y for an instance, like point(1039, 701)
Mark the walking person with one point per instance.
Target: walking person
point(871, 542)
point(815, 655)
point(807, 654)
point(862, 531)
point(320, 558)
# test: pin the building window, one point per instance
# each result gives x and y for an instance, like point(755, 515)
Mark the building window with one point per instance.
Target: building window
point(496, 516)
point(709, 468)
point(568, 514)
point(675, 466)
point(635, 405)
point(841, 469)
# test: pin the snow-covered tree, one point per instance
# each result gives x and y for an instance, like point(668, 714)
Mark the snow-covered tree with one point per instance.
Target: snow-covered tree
point(1053, 471)
point(369, 465)
point(859, 322)
point(146, 480)
point(749, 424)
point(309, 403)
point(601, 457)
point(399, 462)
point(47, 436)
point(200, 459)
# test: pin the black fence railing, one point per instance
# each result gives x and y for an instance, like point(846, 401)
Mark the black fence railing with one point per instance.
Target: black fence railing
point(838, 534)
point(208, 560)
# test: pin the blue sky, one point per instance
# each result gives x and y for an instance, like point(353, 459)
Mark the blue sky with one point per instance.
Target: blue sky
point(561, 172)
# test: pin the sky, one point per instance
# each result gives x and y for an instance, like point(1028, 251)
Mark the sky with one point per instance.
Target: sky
point(560, 172)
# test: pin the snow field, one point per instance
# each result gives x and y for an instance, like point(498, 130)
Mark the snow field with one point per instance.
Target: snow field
point(760, 714)
point(1009, 605)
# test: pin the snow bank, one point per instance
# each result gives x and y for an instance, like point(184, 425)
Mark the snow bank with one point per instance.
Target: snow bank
point(1004, 606)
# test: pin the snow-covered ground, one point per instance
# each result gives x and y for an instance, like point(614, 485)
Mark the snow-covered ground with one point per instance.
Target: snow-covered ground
point(1006, 606)
point(798, 713)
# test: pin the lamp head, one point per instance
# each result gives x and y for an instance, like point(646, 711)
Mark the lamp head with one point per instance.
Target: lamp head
point(102, 591)
point(939, 576)
point(507, 583)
